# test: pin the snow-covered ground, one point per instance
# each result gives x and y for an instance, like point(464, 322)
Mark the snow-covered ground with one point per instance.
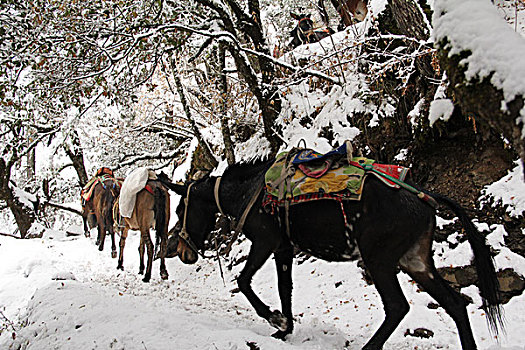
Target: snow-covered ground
point(60, 292)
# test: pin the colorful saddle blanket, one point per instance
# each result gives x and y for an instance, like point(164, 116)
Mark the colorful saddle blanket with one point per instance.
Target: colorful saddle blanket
point(285, 183)
point(87, 190)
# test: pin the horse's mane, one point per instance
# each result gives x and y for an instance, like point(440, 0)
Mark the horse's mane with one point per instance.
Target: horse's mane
point(247, 170)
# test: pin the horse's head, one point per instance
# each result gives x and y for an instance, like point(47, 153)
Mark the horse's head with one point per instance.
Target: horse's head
point(304, 27)
point(305, 22)
point(196, 212)
point(179, 247)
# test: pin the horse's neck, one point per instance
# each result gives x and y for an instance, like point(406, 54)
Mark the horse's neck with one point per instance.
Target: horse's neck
point(298, 37)
point(238, 188)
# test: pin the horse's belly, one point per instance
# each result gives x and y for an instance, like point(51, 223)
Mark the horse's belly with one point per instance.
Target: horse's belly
point(331, 253)
point(325, 240)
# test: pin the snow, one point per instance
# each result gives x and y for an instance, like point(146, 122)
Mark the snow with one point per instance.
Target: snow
point(496, 48)
point(62, 293)
point(440, 109)
point(402, 155)
point(508, 191)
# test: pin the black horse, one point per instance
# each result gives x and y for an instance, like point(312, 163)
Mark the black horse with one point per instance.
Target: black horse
point(304, 32)
point(388, 228)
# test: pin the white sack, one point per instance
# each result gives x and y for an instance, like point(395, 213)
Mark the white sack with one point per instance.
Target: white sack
point(133, 183)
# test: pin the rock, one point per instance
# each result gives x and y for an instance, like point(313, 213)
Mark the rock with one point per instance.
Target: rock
point(511, 284)
point(420, 333)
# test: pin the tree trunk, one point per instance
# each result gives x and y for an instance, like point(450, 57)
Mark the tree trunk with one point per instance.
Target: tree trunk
point(24, 216)
point(268, 98)
point(204, 145)
point(223, 88)
point(31, 164)
point(410, 21)
point(76, 155)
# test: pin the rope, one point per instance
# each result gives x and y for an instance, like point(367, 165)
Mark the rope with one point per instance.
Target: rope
point(423, 196)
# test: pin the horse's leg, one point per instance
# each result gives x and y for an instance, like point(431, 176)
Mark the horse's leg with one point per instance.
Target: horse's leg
point(149, 246)
point(122, 244)
point(101, 235)
point(394, 302)
point(98, 234)
point(259, 253)
point(113, 245)
point(163, 248)
point(450, 300)
point(141, 255)
point(163, 271)
point(283, 264)
point(418, 263)
point(163, 233)
point(84, 221)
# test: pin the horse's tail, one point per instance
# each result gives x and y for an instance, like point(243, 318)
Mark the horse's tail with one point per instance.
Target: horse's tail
point(487, 279)
point(107, 208)
point(161, 221)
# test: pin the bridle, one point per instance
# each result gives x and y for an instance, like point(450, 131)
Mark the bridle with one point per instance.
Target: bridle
point(308, 32)
point(184, 231)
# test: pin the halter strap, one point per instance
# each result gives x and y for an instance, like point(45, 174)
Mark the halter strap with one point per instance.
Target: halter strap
point(246, 211)
point(183, 232)
point(216, 194)
point(242, 220)
point(308, 32)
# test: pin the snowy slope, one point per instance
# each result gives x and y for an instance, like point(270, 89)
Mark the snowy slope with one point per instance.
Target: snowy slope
point(60, 292)
point(69, 295)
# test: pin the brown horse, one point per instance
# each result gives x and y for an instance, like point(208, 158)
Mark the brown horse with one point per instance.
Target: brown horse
point(99, 206)
point(351, 9)
point(304, 32)
point(152, 210)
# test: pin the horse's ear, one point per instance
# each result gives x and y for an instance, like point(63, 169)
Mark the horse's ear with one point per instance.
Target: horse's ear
point(294, 16)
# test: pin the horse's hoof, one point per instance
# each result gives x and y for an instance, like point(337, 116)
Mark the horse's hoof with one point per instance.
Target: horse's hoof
point(146, 279)
point(114, 254)
point(280, 335)
point(164, 275)
point(120, 267)
point(141, 271)
point(278, 320)
point(97, 242)
point(100, 248)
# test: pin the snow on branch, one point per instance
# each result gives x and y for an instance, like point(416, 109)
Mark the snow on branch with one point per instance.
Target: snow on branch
point(495, 48)
point(483, 57)
point(231, 39)
point(161, 154)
